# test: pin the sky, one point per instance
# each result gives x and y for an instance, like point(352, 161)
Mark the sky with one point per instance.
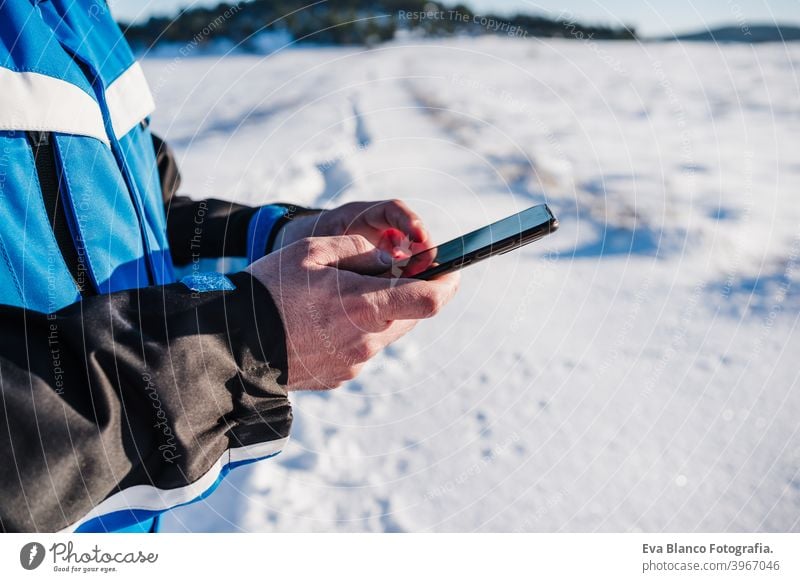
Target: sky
point(650, 17)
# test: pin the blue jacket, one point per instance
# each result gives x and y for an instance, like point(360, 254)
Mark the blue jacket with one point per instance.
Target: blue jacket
point(89, 299)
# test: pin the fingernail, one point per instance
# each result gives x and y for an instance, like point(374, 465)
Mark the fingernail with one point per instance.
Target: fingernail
point(385, 258)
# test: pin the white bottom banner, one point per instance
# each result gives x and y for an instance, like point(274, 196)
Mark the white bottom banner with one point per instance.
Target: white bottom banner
point(390, 557)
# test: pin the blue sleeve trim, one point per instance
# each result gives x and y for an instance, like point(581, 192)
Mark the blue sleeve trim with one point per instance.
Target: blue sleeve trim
point(147, 526)
point(261, 225)
point(202, 282)
point(122, 520)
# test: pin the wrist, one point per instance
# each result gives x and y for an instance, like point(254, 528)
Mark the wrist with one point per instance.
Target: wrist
point(288, 232)
point(295, 228)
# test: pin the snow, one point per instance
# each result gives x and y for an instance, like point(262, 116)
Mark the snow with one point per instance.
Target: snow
point(634, 372)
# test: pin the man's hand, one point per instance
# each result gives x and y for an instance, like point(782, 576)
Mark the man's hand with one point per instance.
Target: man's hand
point(335, 312)
point(389, 225)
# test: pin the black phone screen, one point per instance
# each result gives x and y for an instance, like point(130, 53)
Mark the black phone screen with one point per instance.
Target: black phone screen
point(512, 228)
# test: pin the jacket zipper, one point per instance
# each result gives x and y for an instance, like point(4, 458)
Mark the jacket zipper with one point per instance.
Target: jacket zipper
point(45, 160)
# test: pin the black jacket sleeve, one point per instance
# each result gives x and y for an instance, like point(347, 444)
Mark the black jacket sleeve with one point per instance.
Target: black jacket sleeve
point(207, 228)
point(144, 387)
point(199, 228)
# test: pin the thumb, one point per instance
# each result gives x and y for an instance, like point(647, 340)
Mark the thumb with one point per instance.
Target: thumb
point(356, 254)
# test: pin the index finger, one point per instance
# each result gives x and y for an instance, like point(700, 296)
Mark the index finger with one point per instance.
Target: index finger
point(396, 214)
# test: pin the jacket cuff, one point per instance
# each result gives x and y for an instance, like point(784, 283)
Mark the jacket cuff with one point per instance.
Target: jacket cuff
point(260, 230)
point(262, 328)
point(264, 340)
point(265, 224)
point(291, 211)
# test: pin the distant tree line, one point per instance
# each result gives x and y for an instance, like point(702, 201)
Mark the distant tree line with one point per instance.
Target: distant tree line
point(348, 22)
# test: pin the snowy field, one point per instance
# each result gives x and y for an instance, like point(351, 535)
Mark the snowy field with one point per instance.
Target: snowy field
point(637, 371)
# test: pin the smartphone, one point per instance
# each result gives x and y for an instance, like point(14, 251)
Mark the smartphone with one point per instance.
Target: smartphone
point(494, 239)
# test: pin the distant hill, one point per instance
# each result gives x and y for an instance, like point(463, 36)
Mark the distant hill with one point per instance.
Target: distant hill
point(744, 34)
point(347, 22)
